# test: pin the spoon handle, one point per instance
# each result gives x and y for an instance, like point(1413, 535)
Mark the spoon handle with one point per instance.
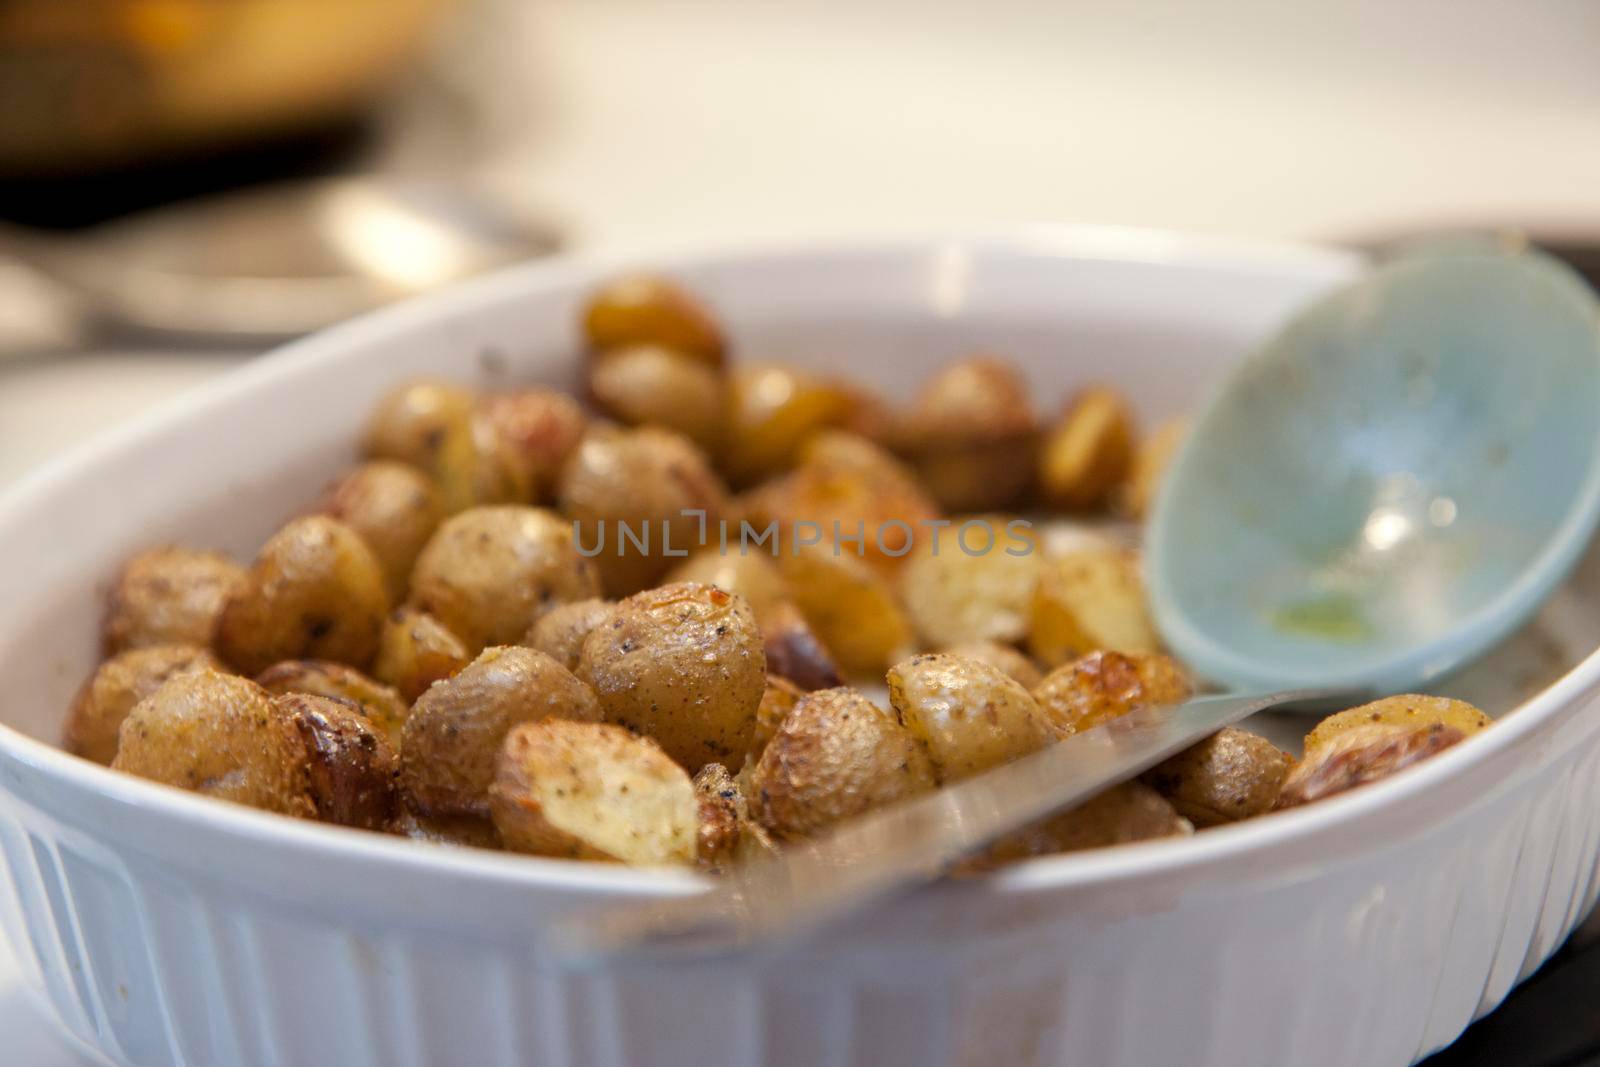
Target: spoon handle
point(812, 883)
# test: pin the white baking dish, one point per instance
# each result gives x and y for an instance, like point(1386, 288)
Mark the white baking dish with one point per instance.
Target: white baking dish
point(167, 929)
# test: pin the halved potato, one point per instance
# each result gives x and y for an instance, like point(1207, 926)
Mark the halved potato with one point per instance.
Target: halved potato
point(379, 704)
point(415, 650)
point(1088, 600)
point(1409, 710)
point(851, 606)
point(728, 834)
point(1086, 456)
point(973, 588)
point(1103, 686)
point(968, 715)
point(1364, 753)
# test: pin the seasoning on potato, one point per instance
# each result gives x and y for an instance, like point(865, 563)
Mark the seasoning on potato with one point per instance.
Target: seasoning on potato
point(315, 592)
point(1086, 456)
point(644, 309)
point(560, 632)
point(651, 385)
point(593, 791)
point(727, 833)
point(169, 596)
point(1231, 775)
point(381, 705)
point(415, 650)
point(1086, 600)
point(971, 435)
point(682, 664)
point(452, 738)
point(968, 715)
point(1103, 686)
point(1409, 710)
point(119, 683)
point(394, 508)
point(351, 763)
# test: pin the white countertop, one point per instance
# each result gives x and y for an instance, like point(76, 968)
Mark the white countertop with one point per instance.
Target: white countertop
point(640, 123)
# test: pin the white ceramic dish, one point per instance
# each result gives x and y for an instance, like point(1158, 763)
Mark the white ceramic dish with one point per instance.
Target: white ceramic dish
point(165, 929)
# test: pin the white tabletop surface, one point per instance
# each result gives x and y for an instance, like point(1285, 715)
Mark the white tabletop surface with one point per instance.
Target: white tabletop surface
point(639, 123)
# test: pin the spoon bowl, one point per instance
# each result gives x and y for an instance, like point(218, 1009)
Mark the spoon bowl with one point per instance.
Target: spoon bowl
point(1389, 486)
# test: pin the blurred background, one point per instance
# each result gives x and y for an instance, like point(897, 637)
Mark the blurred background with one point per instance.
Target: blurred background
point(185, 182)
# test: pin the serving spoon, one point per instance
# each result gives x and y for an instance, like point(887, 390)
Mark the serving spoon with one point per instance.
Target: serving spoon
point(1388, 487)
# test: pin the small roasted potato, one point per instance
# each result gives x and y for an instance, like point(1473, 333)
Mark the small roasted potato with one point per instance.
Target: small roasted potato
point(116, 686)
point(968, 715)
point(461, 831)
point(380, 705)
point(1085, 457)
point(640, 499)
point(489, 572)
point(560, 632)
point(537, 429)
point(971, 435)
point(771, 411)
point(415, 650)
point(394, 507)
point(777, 700)
point(222, 736)
point(835, 755)
point(1122, 815)
point(1103, 686)
point(1007, 659)
point(169, 596)
point(727, 833)
point(851, 607)
point(1365, 753)
point(314, 592)
point(1086, 600)
point(1409, 710)
point(683, 664)
point(1150, 462)
point(437, 427)
point(973, 586)
point(453, 736)
point(593, 791)
point(351, 763)
point(1231, 775)
point(645, 309)
point(794, 651)
point(651, 385)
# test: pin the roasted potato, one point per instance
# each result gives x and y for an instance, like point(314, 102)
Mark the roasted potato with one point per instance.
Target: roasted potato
point(169, 596)
point(683, 664)
point(1150, 462)
point(968, 715)
point(850, 605)
point(1231, 775)
point(315, 592)
point(751, 575)
point(438, 428)
point(834, 756)
point(453, 736)
point(953, 593)
point(771, 411)
point(727, 832)
point(1087, 600)
point(777, 700)
point(394, 507)
point(116, 686)
point(222, 736)
point(537, 429)
point(351, 763)
point(794, 651)
point(651, 385)
point(1409, 710)
point(381, 705)
point(593, 791)
point(415, 650)
point(488, 573)
point(560, 632)
point(1122, 815)
point(461, 831)
point(1103, 686)
point(1085, 457)
point(971, 435)
point(1008, 660)
point(644, 309)
point(641, 498)
point(1360, 754)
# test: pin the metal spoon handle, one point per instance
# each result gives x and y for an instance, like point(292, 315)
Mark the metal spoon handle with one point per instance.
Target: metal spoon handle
point(814, 882)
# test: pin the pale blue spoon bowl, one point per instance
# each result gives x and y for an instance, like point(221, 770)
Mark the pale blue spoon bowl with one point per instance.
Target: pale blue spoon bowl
point(1389, 486)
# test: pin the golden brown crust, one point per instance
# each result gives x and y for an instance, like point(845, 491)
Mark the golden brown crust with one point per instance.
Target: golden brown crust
point(394, 508)
point(415, 650)
point(1363, 754)
point(168, 596)
point(352, 765)
point(379, 704)
point(968, 715)
point(728, 833)
point(647, 309)
point(1102, 686)
point(116, 686)
point(1087, 454)
point(1231, 775)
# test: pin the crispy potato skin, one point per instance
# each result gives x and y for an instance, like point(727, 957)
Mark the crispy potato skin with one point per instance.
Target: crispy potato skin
point(851, 607)
point(1089, 599)
point(593, 791)
point(777, 701)
point(971, 435)
point(953, 596)
point(315, 592)
point(560, 632)
point(453, 737)
point(1231, 775)
point(646, 479)
point(771, 411)
point(168, 596)
point(351, 763)
point(651, 385)
point(1006, 659)
point(489, 572)
point(646, 309)
point(537, 429)
point(727, 832)
point(394, 508)
point(1150, 462)
point(221, 736)
point(437, 427)
point(1409, 710)
point(1122, 815)
point(1364, 754)
point(683, 664)
point(1102, 686)
point(1087, 454)
point(116, 686)
point(968, 715)
point(414, 651)
point(380, 705)
point(834, 756)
